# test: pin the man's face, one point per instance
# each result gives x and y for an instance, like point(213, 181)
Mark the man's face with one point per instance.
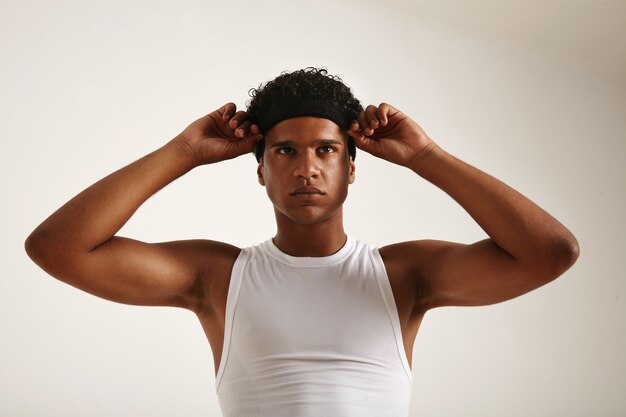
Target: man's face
point(306, 169)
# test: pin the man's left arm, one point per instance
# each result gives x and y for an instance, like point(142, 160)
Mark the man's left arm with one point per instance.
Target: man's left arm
point(526, 248)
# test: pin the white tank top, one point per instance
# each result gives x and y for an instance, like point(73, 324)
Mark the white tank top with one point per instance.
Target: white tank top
point(312, 337)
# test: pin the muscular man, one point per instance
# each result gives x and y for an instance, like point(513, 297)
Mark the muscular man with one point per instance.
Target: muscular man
point(310, 322)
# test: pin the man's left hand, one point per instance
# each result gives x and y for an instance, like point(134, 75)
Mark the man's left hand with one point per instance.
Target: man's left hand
point(387, 133)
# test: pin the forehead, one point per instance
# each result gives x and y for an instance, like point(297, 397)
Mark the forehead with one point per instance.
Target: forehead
point(304, 129)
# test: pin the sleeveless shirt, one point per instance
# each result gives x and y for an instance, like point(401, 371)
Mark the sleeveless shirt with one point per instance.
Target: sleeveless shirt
point(312, 337)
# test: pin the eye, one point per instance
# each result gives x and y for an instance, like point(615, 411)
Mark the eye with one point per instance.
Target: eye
point(286, 150)
point(326, 149)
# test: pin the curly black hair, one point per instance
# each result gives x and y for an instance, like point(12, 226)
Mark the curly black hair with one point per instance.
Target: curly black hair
point(307, 84)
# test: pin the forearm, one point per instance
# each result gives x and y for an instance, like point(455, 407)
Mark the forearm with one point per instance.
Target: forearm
point(512, 221)
point(97, 213)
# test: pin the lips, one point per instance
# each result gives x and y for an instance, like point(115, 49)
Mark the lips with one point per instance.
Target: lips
point(308, 194)
point(308, 190)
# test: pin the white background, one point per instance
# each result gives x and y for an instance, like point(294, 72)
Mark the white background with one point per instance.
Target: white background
point(533, 93)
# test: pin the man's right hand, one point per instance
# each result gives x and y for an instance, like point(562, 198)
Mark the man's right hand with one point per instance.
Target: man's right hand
point(222, 134)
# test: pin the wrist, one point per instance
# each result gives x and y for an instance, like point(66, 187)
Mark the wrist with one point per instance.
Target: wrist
point(424, 159)
point(182, 153)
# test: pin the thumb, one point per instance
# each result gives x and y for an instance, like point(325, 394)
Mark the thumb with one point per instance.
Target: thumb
point(240, 146)
point(365, 143)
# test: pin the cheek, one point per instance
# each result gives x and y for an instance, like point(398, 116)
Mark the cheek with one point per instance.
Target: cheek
point(344, 171)
point(271, 183)
point(339, 180)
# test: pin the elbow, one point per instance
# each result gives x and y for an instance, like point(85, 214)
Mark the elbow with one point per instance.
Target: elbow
point(563, 254)
point(572, 251)
point(57, 255)
point(34, 246)
point(550, 259)
point(39, 247)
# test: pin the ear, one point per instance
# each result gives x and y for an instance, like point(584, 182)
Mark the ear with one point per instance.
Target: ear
point(259, 173)
point(352, 169)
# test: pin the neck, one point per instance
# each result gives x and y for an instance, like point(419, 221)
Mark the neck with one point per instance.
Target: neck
point(314, 240)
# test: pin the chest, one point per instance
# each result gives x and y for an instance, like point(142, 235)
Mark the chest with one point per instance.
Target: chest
point(312, 310)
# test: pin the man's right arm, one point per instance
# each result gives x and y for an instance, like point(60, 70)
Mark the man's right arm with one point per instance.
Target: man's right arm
point(77, 243)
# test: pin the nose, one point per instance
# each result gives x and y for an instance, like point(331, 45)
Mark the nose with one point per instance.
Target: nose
point(307, 166)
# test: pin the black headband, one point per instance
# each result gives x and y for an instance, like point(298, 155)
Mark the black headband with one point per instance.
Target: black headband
point(299, 107)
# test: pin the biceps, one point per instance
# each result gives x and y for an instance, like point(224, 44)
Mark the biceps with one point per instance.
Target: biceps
point(132, 272)
point(471, 275)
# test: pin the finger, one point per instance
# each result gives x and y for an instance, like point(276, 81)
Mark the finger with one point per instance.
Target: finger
point(243, 129)
point(372, 116)
point(255, 137)
point(254, 129)
point(383, 112)
point(390, 111)
point(243, 146)
point(363, 124)
point(249, 140)
point(237, 119)
point(228, 110)
point(363, 142)
point(357, 136)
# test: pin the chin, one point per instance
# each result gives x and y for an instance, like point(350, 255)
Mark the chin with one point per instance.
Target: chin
point(307, 216)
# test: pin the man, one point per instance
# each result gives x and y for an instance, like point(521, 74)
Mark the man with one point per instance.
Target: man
point(311, 322)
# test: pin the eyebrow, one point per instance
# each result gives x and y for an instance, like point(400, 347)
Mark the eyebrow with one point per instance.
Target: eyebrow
point(319, 142)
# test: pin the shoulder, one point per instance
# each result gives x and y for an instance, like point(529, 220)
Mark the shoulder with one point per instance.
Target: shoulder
point(210, 261)
point(401, 261)
point(198, 251)
point(411, 254)
point(409, 264)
